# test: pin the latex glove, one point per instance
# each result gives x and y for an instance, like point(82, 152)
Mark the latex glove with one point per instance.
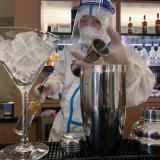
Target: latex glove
point(47, 89)
point(76, 67)
point(117, 54)
point(78, 55)
point(79, 59)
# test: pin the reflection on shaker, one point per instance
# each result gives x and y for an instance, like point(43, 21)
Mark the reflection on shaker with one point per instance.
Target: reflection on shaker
point(103, 103)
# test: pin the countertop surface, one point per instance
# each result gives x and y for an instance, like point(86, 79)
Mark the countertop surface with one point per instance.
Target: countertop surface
point(128, 150)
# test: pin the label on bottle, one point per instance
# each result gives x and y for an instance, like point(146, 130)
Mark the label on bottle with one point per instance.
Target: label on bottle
point(157, 28)
point(144, 27)
point(130, 30)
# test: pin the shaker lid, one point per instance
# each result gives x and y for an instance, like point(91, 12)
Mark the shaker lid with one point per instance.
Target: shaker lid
point(151, 113)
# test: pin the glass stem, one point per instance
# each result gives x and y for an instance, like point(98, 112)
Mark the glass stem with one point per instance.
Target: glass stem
point(24, 139)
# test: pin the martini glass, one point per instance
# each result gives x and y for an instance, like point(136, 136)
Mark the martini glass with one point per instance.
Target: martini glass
point(23, 55)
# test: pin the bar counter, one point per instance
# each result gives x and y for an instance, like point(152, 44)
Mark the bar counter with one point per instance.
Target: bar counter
point(128, 150)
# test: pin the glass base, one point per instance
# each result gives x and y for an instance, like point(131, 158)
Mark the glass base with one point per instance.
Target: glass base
point(15, 152)
point(2, 155)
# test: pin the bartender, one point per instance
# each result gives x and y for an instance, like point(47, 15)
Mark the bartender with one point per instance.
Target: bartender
point(93, 20)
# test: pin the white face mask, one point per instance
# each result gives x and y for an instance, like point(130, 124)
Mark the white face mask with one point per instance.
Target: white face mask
point(90, 33)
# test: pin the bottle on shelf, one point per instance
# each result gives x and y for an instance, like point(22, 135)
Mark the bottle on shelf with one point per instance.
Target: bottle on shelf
point(157, 25)
point(158, 54)
point(130, 26)
point(152, 55)
point(144, 25)
point(144, 53)
point(49, 29)
point(136, 49)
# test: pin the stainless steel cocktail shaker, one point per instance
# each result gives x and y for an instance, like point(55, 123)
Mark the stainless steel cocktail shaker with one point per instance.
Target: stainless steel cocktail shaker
point(97, 49)
point(146, 131)
point(103, 102)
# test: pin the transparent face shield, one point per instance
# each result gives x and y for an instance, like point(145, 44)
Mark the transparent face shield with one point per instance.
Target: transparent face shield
point(91, 23)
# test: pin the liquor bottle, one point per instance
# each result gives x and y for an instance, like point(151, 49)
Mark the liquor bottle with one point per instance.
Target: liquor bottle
point(130, 26)
point(144, 53)
point(158, 53)
point(49, 29)
point(144, 25)
point(157, 25)
point(136, 49)
point(152, 54)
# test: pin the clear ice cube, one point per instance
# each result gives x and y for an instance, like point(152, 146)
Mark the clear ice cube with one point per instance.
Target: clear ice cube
point(24, 54)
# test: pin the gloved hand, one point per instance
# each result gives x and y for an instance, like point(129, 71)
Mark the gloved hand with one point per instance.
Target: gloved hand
point(117, 54)
point(79, 59)
point(44, 92)
point(79, 56)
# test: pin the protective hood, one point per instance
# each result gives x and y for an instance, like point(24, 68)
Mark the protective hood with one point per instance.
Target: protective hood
point(100, 9)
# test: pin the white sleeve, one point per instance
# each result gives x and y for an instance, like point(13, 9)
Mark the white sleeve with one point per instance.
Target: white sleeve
point(57, 78)
point(139, 80)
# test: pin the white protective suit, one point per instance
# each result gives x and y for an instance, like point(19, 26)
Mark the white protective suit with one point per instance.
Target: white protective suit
point(139, 82)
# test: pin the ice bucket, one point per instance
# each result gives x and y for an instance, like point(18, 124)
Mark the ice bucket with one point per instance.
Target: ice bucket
point(103, 103)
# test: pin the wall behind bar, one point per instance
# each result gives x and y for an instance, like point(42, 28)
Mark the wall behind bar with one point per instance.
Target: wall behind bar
point(56, 12)
point(6, 8)
point(27, 13)
point(8, 91)
point(6, 12)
